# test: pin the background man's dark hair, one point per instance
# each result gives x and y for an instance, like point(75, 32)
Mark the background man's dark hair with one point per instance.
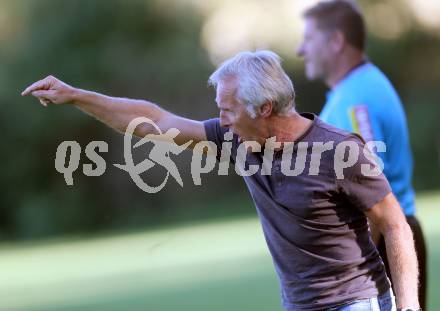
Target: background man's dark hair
point(342, 15)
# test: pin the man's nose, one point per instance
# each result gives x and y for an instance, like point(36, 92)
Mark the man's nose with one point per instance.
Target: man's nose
point(224, 122)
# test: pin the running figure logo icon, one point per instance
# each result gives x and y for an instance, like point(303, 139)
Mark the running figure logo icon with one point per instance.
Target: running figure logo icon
point(164, 144)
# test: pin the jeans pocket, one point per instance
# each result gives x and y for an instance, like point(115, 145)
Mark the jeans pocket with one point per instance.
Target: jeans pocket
point(386, 302)
point(357, 305)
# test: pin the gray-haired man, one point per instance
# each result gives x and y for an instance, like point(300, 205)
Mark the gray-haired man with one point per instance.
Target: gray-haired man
point(315, 224)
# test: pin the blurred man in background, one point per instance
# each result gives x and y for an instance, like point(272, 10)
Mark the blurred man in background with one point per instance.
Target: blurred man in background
point(362, 100)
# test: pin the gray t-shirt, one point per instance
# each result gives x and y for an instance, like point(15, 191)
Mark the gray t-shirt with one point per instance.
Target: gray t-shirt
point(314, 225)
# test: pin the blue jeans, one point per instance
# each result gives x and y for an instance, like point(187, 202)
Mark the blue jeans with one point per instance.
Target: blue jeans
point(384, 302)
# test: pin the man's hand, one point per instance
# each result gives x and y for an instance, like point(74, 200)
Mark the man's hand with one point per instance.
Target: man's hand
point(388, 218)
point(50, 90)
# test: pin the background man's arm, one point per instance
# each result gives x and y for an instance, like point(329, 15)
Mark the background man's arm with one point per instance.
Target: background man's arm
point(114, 111)
point(387, 216)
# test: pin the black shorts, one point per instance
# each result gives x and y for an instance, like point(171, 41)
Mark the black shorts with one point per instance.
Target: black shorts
point(419, 242)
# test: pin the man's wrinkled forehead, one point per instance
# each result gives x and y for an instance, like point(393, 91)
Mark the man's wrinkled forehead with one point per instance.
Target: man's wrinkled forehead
point(226, 88)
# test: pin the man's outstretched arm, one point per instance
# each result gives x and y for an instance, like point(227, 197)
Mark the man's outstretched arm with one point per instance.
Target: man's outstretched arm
point(388, 217)
point(116, 112)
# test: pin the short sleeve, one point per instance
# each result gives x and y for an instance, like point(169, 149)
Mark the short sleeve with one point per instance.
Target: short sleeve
point(216, 134)
point(363, 190)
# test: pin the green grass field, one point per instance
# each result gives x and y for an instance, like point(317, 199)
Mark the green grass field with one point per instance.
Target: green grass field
point(212, 266)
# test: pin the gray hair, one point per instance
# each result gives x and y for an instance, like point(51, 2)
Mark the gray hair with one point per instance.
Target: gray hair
point(260, 79)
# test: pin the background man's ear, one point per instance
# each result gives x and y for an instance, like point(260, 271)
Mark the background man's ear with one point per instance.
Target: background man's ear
point(338, 41)
point(265, 110)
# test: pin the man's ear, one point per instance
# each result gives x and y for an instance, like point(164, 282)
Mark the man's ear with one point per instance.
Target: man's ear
point(337, 41)
point(265, 110)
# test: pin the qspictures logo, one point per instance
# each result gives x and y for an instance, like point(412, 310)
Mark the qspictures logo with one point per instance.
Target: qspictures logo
point(204, 157)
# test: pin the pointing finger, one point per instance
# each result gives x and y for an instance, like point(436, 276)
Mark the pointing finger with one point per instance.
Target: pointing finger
point(41, 94)
point(41, 84)
point(35, 86)
point(30, 88)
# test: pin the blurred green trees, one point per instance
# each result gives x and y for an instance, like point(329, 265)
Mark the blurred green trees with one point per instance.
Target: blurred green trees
point(139, 49)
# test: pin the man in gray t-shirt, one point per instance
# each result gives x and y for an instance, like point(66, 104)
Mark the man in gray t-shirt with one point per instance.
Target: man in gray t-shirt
point(313, 199)
point(314, 225)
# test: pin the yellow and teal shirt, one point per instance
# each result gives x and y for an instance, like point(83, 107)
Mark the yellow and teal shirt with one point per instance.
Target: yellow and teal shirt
point(366, 103)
